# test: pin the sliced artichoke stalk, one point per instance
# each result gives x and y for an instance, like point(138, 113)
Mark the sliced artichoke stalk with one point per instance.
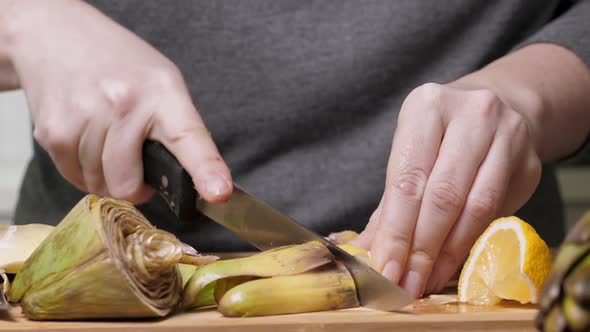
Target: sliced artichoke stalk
point(342, 237)
point(222, 286)
point(103, 260)
point(279, 261)
point(191, 257)
point(565, 297)
point(186, 272)
point(294, 279)
point(329, 287)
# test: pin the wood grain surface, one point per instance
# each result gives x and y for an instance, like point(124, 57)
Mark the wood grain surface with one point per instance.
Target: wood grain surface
point(422, 315)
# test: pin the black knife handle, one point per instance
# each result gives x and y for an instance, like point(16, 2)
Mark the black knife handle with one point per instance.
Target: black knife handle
point(163, 172)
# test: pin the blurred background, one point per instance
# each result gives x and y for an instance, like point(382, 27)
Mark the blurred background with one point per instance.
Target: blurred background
point(15, 150)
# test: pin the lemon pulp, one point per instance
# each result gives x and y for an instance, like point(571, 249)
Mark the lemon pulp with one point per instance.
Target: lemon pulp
point(509, 261)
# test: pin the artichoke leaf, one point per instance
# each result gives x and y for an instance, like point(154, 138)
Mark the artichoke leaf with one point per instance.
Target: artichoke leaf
point(329, 287)
point(288, 260)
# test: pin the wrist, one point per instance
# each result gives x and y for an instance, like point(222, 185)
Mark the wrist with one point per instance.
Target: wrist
point(18, 22)
point(21, 21)
point(17, 17)
point(22, 27)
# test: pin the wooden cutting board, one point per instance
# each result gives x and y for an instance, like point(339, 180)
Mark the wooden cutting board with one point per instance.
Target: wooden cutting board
point(422, 315)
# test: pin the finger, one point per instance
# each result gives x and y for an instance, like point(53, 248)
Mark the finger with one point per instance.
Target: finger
point(59, 134)
point(366, 237)
point(90, 151)
point(459, 158)
point(122, 159)
point(414, 150)
point(487, 193)
point(182, 131)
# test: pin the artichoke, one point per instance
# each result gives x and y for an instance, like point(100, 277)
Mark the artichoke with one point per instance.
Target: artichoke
point(103, 260)
point(565, 297)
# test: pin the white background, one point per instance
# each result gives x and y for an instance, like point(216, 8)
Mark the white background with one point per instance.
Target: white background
point(15, 150)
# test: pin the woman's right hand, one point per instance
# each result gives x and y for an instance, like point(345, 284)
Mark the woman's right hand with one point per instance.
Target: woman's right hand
point(96, 92)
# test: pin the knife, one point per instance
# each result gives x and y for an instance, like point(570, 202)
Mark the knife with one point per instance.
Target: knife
point(259, 224)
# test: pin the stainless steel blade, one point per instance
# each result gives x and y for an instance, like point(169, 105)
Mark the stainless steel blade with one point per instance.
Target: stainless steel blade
point(265, 228)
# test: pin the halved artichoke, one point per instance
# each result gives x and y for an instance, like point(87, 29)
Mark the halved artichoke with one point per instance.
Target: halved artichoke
point(103, 260)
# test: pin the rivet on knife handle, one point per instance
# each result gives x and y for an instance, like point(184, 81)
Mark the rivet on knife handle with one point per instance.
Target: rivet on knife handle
point(163, 172)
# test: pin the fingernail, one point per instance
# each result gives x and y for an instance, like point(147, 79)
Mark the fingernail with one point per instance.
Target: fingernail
point(216, 186)
point(412, 282)
point(392, 271)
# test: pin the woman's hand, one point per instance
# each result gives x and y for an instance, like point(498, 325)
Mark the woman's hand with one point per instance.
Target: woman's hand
point(96, 92)
point(469, 151)
point(460, 157)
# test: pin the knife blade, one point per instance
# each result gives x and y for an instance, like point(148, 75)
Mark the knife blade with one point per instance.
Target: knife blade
point(259, 224)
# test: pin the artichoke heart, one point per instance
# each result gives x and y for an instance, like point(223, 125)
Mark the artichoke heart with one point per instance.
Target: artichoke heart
point(103, 260)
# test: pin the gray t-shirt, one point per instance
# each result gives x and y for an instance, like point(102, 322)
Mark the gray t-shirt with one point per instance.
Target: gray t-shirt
point(302, 96)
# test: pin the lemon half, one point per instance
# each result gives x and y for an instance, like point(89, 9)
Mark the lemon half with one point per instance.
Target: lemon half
point(508, 261)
